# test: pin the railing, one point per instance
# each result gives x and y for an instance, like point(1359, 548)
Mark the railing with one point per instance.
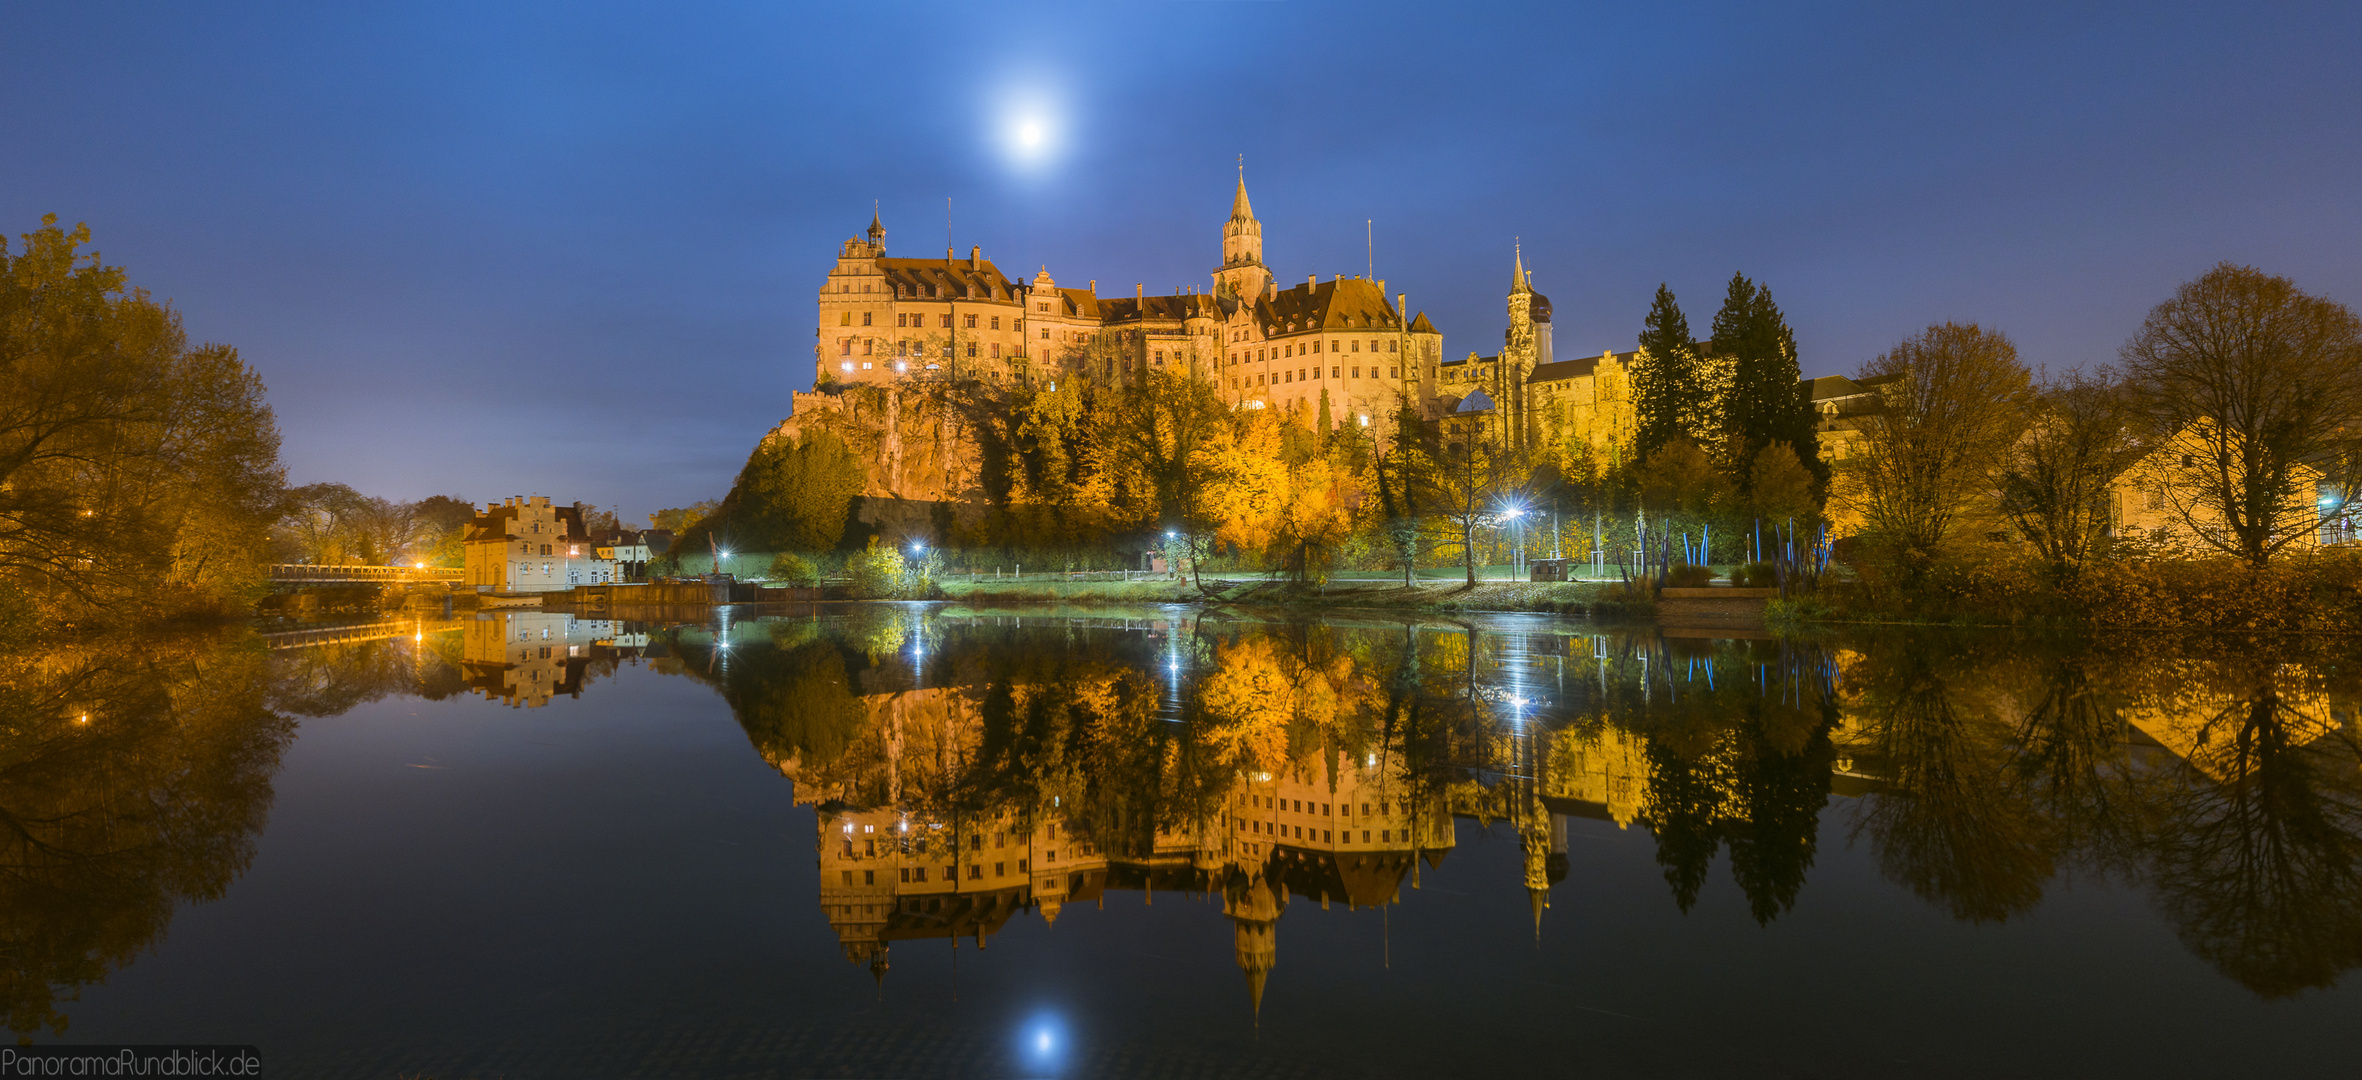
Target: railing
point(339, 635)
point(354, 574)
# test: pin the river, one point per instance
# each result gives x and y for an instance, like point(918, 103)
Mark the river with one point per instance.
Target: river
point(930, 840)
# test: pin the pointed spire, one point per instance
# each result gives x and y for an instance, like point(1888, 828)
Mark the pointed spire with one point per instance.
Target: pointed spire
point(1540, 899)
point(1517, 280)
point(1240, 210)
point(877, 229)
point(1255, 978)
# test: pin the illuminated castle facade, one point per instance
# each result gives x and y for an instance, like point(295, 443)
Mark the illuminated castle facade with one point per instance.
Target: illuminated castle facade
point(1339, 344)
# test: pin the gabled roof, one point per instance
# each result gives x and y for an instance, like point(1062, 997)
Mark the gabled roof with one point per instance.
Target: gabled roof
point(951, 279)
point(1420, 325)
point(1079, 304)
point(1343, 304)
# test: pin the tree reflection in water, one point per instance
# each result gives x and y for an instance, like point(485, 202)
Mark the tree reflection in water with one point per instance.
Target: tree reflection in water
point(1187, 751)
point(2257, 830)
point(965, 770)
point(134, 775)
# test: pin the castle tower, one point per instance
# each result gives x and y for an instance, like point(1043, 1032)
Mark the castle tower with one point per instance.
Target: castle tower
point(1517, 356)
point(1243, 273)
point(877, 232)
point(1254, 915)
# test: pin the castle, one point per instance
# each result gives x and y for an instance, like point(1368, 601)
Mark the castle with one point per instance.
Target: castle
point(1339, 346)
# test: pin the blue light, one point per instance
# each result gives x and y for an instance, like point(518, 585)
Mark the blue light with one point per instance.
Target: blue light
point(1041, 1042)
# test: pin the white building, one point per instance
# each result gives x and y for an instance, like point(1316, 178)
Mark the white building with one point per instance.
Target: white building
point(527, 545)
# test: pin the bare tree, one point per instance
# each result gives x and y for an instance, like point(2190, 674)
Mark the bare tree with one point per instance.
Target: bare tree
point(1952, 402)
point(2054, 483)
point(2259, 385)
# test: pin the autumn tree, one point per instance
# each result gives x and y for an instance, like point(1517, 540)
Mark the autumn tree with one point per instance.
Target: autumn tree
point(2055, 480)
point(1680, 485)
point(1156, 443)
point(1953, 400)
point(1473, 475)
point(1278, 490)
point(2259, 385)
point(792, 495)
point(136, 472)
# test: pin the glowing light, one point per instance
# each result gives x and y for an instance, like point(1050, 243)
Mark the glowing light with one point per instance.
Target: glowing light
point(1041, 1042)
point(1029, 135)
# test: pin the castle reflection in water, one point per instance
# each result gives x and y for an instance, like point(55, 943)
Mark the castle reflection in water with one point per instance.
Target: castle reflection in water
point(965, 771)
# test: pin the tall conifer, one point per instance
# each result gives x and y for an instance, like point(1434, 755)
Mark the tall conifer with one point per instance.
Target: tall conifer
point(1669, 392)
point(1768, 400)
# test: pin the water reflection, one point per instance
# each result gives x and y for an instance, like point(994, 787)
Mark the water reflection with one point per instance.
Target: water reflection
point(967, 770)
point(133, 776)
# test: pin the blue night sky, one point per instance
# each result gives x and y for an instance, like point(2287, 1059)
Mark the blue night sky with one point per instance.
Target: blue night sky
point(573, 250)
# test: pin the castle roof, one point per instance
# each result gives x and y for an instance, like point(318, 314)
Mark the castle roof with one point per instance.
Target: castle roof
point(492, 525)
point(1078, 303)
point(1420, 325)
point(1541, 308)
point(1563, 369)
point(1342, 304)
point(1186, 306)
point(947, 279)
point(1240, 209)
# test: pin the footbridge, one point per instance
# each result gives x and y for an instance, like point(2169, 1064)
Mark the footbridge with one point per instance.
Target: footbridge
point(317, 574)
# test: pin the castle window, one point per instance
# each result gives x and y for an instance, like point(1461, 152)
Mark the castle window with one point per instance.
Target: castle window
point(848, 366)
point(1389, 373)
point(1357, 373)
point(996, 322)
point(865, 318)
point(902, 320)
point(845, 347)
point(946, 323)
point(1389, 346)
point(844, 318)
point(1045, 333)
point(971, 322)
point(971, 350)
point(869, 346)
point(1373, 346)
point(996, 352)
point(1357, 346)
point(1333, 372)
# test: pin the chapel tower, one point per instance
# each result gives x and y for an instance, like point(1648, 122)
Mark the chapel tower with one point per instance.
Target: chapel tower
point(1243, 273)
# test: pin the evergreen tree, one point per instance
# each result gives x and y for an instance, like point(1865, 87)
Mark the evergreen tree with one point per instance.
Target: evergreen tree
point(1768, 401)
point(1668, 389)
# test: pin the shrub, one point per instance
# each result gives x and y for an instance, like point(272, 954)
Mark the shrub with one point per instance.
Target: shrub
point(875, 574)
point(1756, 575)
point(1689, 576)
point(795, 570)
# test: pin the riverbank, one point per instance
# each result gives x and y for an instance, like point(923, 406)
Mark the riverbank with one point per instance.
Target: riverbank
point(2308, 593)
